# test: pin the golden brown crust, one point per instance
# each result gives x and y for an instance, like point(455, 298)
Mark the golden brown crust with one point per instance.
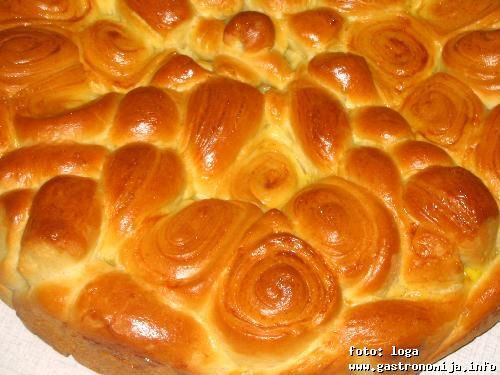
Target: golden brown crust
point(6, 131)
point(445, 111)
point(115, 53)
point(145, 114)
point(138, 319)
point(283, 6)
point(218, 8)
point(14, 211)
point(320, 124)
point(217, 109)
point(162, 16)
point(346, 73)
point(432, 259)
point(404, 324)
point(329, 216)
point(85, 123)
point(236, 69)
point(460, 203)
point(470, 55)
point(30, 166)
point(113, 360)
point(63, 226)
point(249, 186)
point(480, 311)
point(253, 30)
point(487, 153)
point(268, 178)
point(59, 10)
point(71, 200)
point(415, 155)
point(316, 28)
point(398, 49)
point(33, 57)
point(376, 171)
point(186, 251)
point(364, 7)
point(178, 72)
point(277, 290)
point(446, 16)
point(207, 37)
point(137, 180)
point(381, 125)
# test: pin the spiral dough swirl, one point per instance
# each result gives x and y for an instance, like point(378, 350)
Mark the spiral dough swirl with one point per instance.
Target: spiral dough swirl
point(446, 16)
point(184, 250)
point(29, 55)
point(443, 109)
point(115, 53)
point(277, 289)
point(397, 51)
point(268, 179)
point(59, 10)
point(474, 57)
point(351, 228)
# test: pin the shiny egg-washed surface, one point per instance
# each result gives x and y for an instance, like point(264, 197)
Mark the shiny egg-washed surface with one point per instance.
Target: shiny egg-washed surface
point(249, 187)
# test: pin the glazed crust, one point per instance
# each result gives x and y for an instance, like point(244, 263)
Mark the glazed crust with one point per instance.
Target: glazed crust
point(249, 187)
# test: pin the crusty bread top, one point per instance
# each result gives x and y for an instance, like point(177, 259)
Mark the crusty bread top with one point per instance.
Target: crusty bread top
point(250, 187)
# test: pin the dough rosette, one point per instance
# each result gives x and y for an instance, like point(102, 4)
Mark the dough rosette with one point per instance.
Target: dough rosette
point(277, 290)
point(351, 228)
point(398, 50)
point(185, 251)
point(33, 58)
point(444, 110)
point(473, 57)
point(115, 53)
point(54, 10)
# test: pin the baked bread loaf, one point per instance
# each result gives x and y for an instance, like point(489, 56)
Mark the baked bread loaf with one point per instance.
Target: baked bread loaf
point(250, 187)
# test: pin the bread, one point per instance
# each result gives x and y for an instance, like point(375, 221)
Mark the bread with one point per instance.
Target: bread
point(250, 187)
